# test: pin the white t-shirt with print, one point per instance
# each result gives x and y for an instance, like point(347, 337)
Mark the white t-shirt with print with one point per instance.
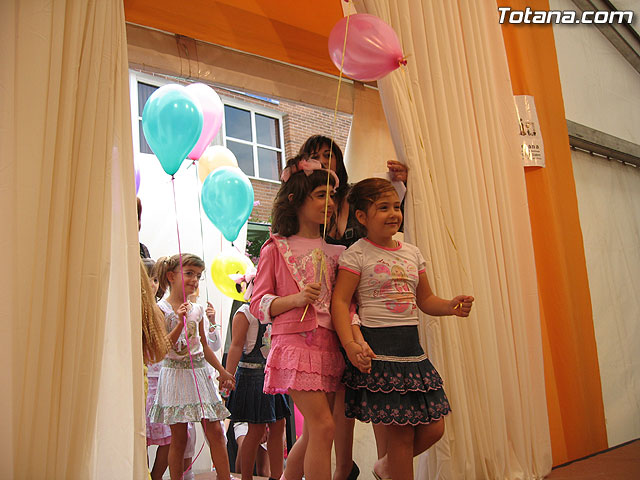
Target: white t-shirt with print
point(179, 350)
point(386, 293)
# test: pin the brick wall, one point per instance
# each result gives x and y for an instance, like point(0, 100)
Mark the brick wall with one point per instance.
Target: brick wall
point(264, 192)
point(300, 121)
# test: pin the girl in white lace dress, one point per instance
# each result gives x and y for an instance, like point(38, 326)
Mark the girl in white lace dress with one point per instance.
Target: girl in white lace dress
point(179, 399)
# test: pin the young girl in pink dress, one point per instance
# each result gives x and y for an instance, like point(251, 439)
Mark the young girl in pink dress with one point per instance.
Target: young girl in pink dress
point(292, 289)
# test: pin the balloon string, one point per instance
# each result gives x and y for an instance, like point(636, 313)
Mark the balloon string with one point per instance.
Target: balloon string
point(238, 250)
point(206, 288)
point(440, 209)
point(184, 317)
point(333, 132)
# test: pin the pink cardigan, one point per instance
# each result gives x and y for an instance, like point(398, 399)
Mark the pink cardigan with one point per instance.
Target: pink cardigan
point(277, 276)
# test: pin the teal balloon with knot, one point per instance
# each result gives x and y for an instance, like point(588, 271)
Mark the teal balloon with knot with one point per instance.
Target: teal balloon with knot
point(227, 200)
point(172, 122)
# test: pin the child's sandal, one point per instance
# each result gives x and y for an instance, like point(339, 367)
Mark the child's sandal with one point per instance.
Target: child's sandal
point(355, 471)
point(378, 477)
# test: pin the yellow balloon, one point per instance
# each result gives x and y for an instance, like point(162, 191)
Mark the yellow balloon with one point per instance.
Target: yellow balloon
point(214, 157)
point(225, 264)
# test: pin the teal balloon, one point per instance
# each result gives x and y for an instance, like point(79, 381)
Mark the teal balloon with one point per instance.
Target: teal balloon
point(172, 123)
point(227, 199)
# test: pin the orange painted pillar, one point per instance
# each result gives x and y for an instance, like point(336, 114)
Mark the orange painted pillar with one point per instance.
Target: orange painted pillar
point(572, 375)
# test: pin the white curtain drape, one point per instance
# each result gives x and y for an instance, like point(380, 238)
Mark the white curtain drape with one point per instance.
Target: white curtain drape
point(453, 122)
point(609, 203)
point(68, 204)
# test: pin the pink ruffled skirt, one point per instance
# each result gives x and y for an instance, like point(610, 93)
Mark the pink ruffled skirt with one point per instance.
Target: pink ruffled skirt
point(309, 361)
point(157, 433)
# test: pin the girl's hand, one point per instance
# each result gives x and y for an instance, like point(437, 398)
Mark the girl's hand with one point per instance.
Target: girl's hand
point(366, 350)
point(365, 357)
point(308, 294)
point(461, 305)
point(364, 363)
point(357, 358)
point(398, 171)
point(227, 381)
point(183, 310)
point(211, 313)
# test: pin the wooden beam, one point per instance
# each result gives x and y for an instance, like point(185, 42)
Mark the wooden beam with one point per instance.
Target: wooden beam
point(153, 51)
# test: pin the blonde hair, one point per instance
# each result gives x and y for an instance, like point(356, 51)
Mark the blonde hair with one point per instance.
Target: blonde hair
point(155, 343)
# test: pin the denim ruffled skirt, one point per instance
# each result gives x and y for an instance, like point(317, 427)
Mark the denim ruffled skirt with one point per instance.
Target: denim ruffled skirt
point(403, 387)
point(248, 403)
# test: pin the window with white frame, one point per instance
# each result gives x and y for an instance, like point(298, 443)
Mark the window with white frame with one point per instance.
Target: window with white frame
point(253, 134)
point(141, 87)
point(144, 91)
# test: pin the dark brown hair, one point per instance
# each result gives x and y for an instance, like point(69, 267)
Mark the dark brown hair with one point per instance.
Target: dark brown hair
point(300, 185)
point(365, 193)
point(315, 143)
point(139, 210)
point(169, 264)
point(149, 263)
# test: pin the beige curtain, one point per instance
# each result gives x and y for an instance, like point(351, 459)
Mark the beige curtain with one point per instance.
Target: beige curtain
point(68, 209)
point(9, 219)
point(453, 122)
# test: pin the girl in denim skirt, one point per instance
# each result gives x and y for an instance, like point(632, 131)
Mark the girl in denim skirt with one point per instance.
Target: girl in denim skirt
point(389, 379)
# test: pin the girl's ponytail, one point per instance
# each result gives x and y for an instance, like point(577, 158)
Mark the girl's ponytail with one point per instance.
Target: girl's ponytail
point(160, 269)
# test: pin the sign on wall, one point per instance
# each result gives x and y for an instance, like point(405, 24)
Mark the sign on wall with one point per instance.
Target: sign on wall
point(530, 135)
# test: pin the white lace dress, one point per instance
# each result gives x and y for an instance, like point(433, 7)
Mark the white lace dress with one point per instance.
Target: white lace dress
point(177, 399)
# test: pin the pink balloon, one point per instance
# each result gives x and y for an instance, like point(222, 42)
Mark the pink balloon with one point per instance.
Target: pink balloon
point(212, 111)
point(372, 51)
